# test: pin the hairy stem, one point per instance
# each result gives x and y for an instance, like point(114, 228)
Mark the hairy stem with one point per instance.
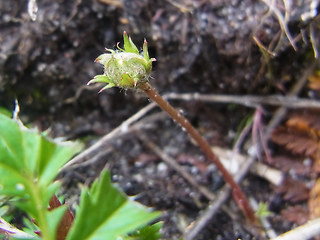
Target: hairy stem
point(41, 218)
point(238, 195)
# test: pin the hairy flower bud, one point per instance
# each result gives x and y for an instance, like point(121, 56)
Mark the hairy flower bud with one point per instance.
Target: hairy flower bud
point(125, 68)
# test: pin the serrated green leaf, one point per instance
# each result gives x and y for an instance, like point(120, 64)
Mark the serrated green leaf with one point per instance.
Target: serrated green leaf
point(29, 162)
point(53, 218)
point(106, 213)
point(12, 153)
point(29, 154)
point(61, 154)
point(151, 232)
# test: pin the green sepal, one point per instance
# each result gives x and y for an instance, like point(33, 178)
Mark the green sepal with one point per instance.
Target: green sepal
point(99, 79)
point(110, 85)
point(128, 45)
point(145, 50)
point(127, 81)
point(136, 61)
point(104, 58)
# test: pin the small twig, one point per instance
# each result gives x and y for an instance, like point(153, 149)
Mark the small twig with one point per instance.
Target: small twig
point(303, 232)
point(238, 195)
point(90, 161)
point(247, 100)
point(314, 40)
point(282, 21)
point(195, 227)
point(233, 162)
point(281, 112)
point(193, 230)
point(116, 3)
point(173, 163)
point(92, 156)
point(123, 127)
point(181, 7)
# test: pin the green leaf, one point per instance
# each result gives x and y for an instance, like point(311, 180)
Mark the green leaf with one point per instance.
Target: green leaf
point(30, 227)
point(262, 211)
point(53, 218)
point(29, 162)
point(128, 44)
point(106, 213)
point(110, 85)
point(5, 111)
point(146, 233)
point(30, 156)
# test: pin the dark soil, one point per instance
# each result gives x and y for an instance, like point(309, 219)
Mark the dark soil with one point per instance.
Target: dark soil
point(200, 46)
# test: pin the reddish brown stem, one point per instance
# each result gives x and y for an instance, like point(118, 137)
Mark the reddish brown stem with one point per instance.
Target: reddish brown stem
point(238, 195)
point(66, 221)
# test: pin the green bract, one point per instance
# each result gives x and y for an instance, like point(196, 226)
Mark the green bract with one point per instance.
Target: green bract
point(125, 68)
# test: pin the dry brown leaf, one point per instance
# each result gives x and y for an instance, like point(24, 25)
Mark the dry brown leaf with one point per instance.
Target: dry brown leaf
point(293, 165)
point(300, 135)
point(296, 214)
point(300, 142)
point(293, 190)
point(311, 118)
point(314, 81)
point(298, 123)
point(314, 201)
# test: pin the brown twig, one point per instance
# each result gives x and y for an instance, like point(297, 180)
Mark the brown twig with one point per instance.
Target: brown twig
point(172, 163)
point(238, 195)
point(101, 143)
point(247, 100)
point(193, 230)
point(66, 221)
point(282, 111)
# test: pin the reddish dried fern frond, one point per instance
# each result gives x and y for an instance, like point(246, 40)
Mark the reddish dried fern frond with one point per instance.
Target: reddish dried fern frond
point(301, 135)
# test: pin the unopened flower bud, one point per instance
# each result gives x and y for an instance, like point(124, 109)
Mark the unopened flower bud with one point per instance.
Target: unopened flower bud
point(125, 68)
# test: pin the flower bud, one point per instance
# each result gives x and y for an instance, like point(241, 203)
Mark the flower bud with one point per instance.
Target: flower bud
point(125, 68)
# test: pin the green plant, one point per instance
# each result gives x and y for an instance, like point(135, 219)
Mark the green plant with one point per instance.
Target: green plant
point(29, 163)
point(127, 68)
point(262, 211)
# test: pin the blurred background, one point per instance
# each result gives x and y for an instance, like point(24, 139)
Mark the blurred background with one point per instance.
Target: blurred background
point(227, 46)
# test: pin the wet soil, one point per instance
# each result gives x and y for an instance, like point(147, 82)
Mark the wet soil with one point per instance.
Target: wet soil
point(200, 46)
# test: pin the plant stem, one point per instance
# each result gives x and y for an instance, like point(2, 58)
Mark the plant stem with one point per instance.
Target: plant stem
point(41, 218)
point(66, 221)
point(238, 195)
